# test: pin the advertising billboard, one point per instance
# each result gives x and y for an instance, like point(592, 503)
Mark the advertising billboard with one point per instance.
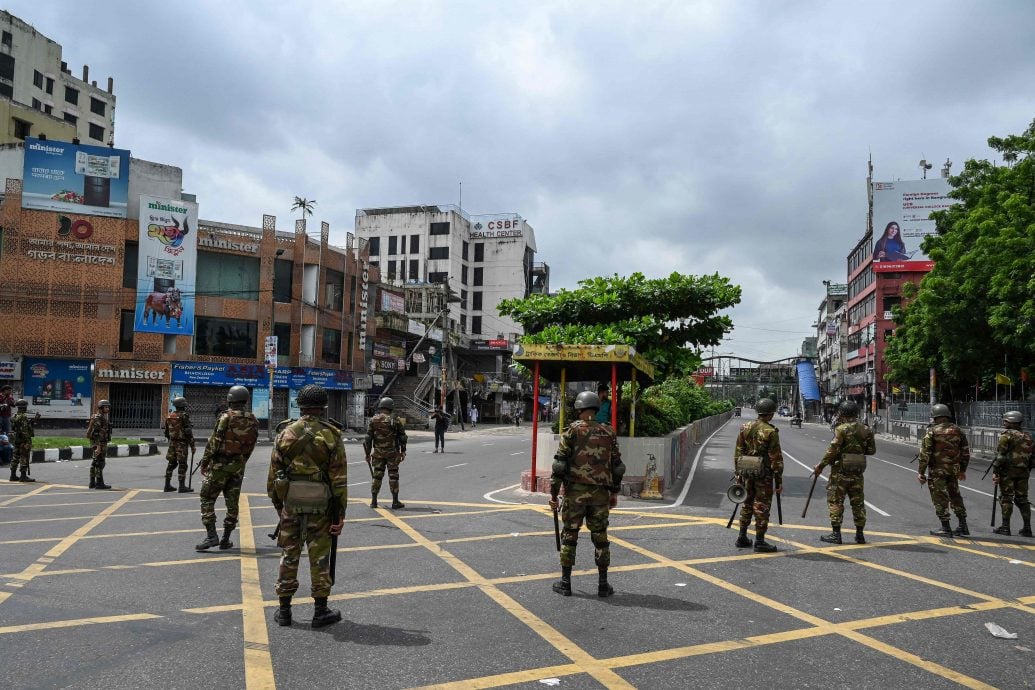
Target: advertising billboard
point(166, 266)
point(901, 219)
point(75, 178)
point(256, 375)
point(58, 388)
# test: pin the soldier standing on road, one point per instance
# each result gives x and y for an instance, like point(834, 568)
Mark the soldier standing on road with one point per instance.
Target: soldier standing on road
point(222, 466)
point(1013, 461)
point(22, 428)
point(99, 433)
point(589, 466)
point(307, 483)
point(944, 450)
point(385, 445)
point(846, 456)
point(180, 432)
point(758, 463)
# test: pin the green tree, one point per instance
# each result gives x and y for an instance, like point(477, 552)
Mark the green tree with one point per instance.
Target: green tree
point(974, 313)
point(304, 205)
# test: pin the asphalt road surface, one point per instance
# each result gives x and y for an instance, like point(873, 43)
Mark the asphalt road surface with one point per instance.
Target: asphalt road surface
point(104, 589)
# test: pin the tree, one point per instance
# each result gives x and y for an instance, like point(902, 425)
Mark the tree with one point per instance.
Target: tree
point(304, 205)
point(974, 314)
point(661, 317)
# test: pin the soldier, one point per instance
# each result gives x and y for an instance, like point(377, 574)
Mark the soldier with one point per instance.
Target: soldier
point(387, 438)
point(1010, 471)
point(846, 456)
point(589, 466)
point(758, 463)
point(945, 451)
point(180, 432)
point(307, 483)
point(99, 433)
point(222, 466)
point(22, 428)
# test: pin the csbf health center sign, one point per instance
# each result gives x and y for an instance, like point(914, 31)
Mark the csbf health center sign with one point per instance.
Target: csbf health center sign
point(167, 266)
point(75, 178)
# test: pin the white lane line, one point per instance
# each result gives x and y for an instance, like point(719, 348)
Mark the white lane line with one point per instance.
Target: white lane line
point(452, 466)
point(488, 444)
point(488, 496)
point(358, 462)
point(359, 483)
point(868, 504)
point(914, 473)
point(690, 477)
point(520, 452)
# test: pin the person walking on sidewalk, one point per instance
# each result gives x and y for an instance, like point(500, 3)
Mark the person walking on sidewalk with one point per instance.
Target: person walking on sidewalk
point(441, 420)
point(474, 416)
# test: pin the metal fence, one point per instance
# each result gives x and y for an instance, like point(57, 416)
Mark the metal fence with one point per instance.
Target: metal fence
point(982, 421)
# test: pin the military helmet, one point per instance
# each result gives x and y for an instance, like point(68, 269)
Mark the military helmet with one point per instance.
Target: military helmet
point(386, 404)
point(103, 403)
point(180, 402)
point(1013, 417)
point(237, 394)
point(765, 406)
point(940, 410)
point(312, 395)
point(587, 400)
point(21, 402)
point(849, 408)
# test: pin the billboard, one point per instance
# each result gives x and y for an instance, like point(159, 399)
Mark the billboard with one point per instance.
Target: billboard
point(901, 219)
point(75, 178)
point(58, 388)
point(257, 376)
point(166, 266)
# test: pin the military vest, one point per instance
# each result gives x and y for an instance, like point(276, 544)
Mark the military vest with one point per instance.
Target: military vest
point(946, 445)
point(855, 437)
point(591, 459)
point(382, 430)
point(174, 426)
point(242, 433)
point(99, 430)
point(757, 436)
point(306, 446)
point(1016, 446)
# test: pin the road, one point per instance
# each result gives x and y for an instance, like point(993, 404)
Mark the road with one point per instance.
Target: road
point(105, 588)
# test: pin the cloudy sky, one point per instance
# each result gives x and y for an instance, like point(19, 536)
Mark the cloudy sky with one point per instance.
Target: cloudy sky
point(700, 137)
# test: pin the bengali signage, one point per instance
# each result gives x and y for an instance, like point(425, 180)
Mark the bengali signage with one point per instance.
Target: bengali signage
point(902, 219)
point(58, 388)
point(490, 344)
point(252, 375)
point(11, 368)
point(75, 178)
point(166, 266)
point(118, 371)
point(393, 302)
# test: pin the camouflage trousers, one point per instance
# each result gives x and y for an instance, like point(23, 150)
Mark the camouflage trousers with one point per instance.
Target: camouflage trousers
point(380, 465)
point(1013, 490)
point(945, 492)
point(839, 486)
point(99, 451)
point(177, 460)
point(221, 482)
point(317, 540)
point(757, 502)
point(589, 503)
point(21, 457)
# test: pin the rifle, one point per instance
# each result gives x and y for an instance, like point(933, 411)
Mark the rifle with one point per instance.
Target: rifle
point(190, 477)
point(779, 510)
point(995, 494)
point(815, 478)
point(556, 529)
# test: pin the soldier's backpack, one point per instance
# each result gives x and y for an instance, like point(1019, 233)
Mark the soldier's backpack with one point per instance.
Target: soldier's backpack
point(242, 433)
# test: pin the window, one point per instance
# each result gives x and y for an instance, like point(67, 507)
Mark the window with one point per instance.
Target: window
point(393, 245)
point(334, 290)
point(96, 132)
point(283, 275)
point(463, 253)
point(437, 277)
point(331, 351)
point(414, 244)
point(402, 244)
point(7, 39)
point(50, 86)
point(48, 109)
point(391, 269)
point(479, 251)
point(476, 325)
point(6, 67)
point(374, 245)
point(478, 274)
point(37, 104)
point(438, 253)
point(97, 106)
point(71, 95)
point(352, 294)
point(228, 275)
point(129, 265)
point(216, 337)
point(440, 228)
point(22, 128)
point(6, 90)
point(349, 352)
point(37, 78)
point(414, 269)
point(126, 330)
point(463, 300)
point(283, 333)
point(69, 117)
point(463, 275)
point(476, 301)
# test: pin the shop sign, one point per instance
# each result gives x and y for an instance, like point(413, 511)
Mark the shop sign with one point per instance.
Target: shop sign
point(114, 371)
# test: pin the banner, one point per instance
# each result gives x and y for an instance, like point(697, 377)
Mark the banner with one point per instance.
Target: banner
point(257, 376)
point(167, 263)
point(58, 388)
point(901, 220)
point(75, 178)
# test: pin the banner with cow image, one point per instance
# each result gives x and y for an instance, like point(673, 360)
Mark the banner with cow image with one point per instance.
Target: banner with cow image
point(167, 260)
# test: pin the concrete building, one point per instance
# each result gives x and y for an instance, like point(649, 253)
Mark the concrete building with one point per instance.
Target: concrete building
point(831, 329)
point(45, 97)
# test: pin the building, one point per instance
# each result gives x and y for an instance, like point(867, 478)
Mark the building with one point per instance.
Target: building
point(830, 331)
point(40, 95)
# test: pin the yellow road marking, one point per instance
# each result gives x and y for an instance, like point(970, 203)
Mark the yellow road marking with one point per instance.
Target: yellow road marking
point(38, 490)
point(76, 622)
point(979, 552)
point(258, 664)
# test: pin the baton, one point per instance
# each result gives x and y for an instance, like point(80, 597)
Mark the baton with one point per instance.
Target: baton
point(815, 477)
point(190, 477)
point(995, 492)
point(735, 509)
point(987, 470)
point(276, 532)
point(556, 529)
point(914, 458)
point(779, 509)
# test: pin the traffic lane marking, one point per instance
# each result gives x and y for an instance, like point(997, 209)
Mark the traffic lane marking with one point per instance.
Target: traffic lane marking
point(38, 490)
point(258, 663)
point(693, 470)
point(914, 473)
point(76, 622)
point(449, 467)
point(810, 469)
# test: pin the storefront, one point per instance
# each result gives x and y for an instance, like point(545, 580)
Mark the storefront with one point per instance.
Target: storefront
point(58, 388)
point(135, 390)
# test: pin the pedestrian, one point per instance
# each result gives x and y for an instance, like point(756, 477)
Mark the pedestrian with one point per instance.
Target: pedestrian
point(6, 449)
point(589, 466)
point(308, 486)
point(846, 456)
point(1010, 471)
point(6, 408)
point(180, 433)
point(441, 421)
point(222, 466)
point(385, 448)
point(519, 409)
point(99, 433)
point(22, 428)
point(758, 463)
point(474, 416)
point(945, 452)
point(604, 413)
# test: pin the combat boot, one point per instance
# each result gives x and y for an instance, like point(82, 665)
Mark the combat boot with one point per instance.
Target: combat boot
point(226, 543)
point(962, 530)
point(373, 499)
point(93, 477)
point(563, 586)
point(211, 540)
point(1003, 529)
point(396, 504)
point(283, 614)
point(99, 484)
point(860, 538)
point(184, 489)
point(604, 589)
point(761, 545)
point(168, 484)
point(742, 541)
point(322, 615)
point(834, 537)
point(25, 476)
point(14, 471)
point(1026, 530)
point(945, 531)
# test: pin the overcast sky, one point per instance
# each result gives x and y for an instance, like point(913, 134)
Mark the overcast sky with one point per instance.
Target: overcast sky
point(698, 137)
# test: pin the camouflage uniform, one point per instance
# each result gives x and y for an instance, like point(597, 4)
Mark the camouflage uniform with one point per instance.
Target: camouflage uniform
point(21, 427)
point(1012, 468)
point(180, 432)
point(385, 444)
point(759, 439)
point(308, 449)
point(226, 454)
point(945, 452)
point(99, 433)
point(849, 438)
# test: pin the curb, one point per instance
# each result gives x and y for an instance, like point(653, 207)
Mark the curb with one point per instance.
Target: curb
point(84, 452)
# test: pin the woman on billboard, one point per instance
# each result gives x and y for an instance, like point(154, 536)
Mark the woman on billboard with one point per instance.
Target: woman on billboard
point(890, 246)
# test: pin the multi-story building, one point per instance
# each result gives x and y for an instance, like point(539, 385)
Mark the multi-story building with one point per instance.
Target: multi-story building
point(830, 329)
point(40, 95)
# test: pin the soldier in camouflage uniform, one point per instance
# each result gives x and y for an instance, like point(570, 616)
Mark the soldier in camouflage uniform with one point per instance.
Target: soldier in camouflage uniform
point(846, 456)
point(21, 427)
point(180, 432)
point(222, 466)
point(307, 483)
point(385, 447)
point(945, 452)
point(99, 433)
point(589, 467)
point(758, 463)
point(1013, 461)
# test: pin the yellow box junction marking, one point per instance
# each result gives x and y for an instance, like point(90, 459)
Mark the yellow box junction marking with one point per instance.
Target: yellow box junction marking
point(258, 664)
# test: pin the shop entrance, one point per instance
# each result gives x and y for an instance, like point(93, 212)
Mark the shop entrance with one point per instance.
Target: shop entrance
point(136, 406)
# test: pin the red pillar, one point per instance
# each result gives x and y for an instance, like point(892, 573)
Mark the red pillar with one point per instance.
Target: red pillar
point(535, 422)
